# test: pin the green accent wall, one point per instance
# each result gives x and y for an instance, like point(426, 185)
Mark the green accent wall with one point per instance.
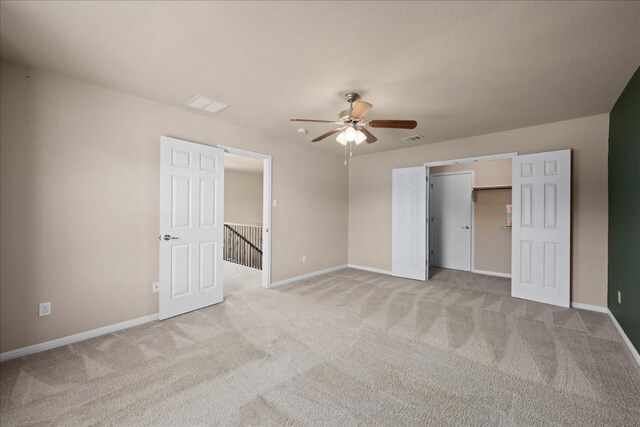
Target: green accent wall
point(624, 209)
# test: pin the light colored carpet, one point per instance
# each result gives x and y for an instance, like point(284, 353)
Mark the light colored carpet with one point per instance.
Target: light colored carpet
point(345, 348)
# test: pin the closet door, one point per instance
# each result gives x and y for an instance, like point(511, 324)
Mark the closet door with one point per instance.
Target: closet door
point(450, 197)
point(541, 239)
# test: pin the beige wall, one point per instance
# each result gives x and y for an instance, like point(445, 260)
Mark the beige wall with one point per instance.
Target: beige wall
point(370, 193)
point(488, 172)
point(242, 197)
point(79, 167)
point(491, 241)
point(79, 190)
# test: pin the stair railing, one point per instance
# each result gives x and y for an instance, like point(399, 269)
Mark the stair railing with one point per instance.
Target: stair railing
point(243, 244)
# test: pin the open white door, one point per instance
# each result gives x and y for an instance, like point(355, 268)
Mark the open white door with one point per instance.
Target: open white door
point(409, 223)
point(541, 239)
point(428, 253)
point(191, 210)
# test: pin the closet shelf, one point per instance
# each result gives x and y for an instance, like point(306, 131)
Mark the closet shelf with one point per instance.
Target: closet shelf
point(492, 187)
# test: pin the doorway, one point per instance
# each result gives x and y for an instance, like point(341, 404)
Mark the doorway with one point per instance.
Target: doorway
point(192, 178)
point(484, 202)
point(540, 223)
point(247, 217)
point(451, 219)
point(242, 241)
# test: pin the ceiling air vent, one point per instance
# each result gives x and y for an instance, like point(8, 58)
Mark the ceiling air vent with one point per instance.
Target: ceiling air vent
point(413, 138)
point(206, 104)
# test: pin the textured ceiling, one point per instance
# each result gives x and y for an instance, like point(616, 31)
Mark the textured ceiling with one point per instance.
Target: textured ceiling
point(459, 69)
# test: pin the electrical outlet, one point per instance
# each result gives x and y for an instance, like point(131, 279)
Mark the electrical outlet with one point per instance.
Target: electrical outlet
point(619, 297)
point(155, 287)
point(45, 309)
point(275, 203)
point(304, 258)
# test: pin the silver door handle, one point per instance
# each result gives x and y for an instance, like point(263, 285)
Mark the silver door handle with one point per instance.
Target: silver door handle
point(169, 237)
point(466, 227)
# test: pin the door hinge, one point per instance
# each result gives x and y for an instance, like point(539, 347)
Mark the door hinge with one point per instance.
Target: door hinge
point(432, 186)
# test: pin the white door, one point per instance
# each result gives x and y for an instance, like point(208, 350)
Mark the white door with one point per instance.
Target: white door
point(541, 245)
point(191, 210)
point(427, 222)
point(450, 214)
point(409, 207)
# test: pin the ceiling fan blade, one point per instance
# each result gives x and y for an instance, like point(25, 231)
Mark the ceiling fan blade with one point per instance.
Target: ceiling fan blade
point(312, 120)
point(324, 135)
point(359, 110)
point(393, 124)
point(370, 138)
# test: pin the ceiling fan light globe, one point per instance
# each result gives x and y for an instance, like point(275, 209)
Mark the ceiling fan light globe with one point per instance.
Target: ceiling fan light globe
point(341, 138)
point(350, 134)
point(360, 137)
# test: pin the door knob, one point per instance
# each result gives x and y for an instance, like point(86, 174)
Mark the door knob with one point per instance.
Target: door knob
point(169, 237)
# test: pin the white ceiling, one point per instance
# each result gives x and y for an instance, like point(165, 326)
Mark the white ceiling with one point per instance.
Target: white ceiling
point(242, 164)
point(459, 69)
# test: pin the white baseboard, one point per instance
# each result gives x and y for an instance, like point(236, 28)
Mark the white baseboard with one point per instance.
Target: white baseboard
point(370, 269)
point(59, 342)
point(307, 276)
point(598, 308)
point(625, 338)
point(492, 273)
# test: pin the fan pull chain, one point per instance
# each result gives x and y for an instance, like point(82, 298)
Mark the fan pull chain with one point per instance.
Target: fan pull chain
point(345, 155)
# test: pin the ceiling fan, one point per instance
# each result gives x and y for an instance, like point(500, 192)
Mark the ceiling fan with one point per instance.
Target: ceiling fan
point(353, 127)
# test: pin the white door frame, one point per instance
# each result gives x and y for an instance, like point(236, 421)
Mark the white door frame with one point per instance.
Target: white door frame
point(430, 165)
point(473, 209)
point(266, 207)
point(501, 156)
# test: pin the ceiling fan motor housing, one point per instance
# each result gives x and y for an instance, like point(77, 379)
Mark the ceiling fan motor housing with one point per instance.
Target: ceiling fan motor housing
point(351, 96)
point(343, 116)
